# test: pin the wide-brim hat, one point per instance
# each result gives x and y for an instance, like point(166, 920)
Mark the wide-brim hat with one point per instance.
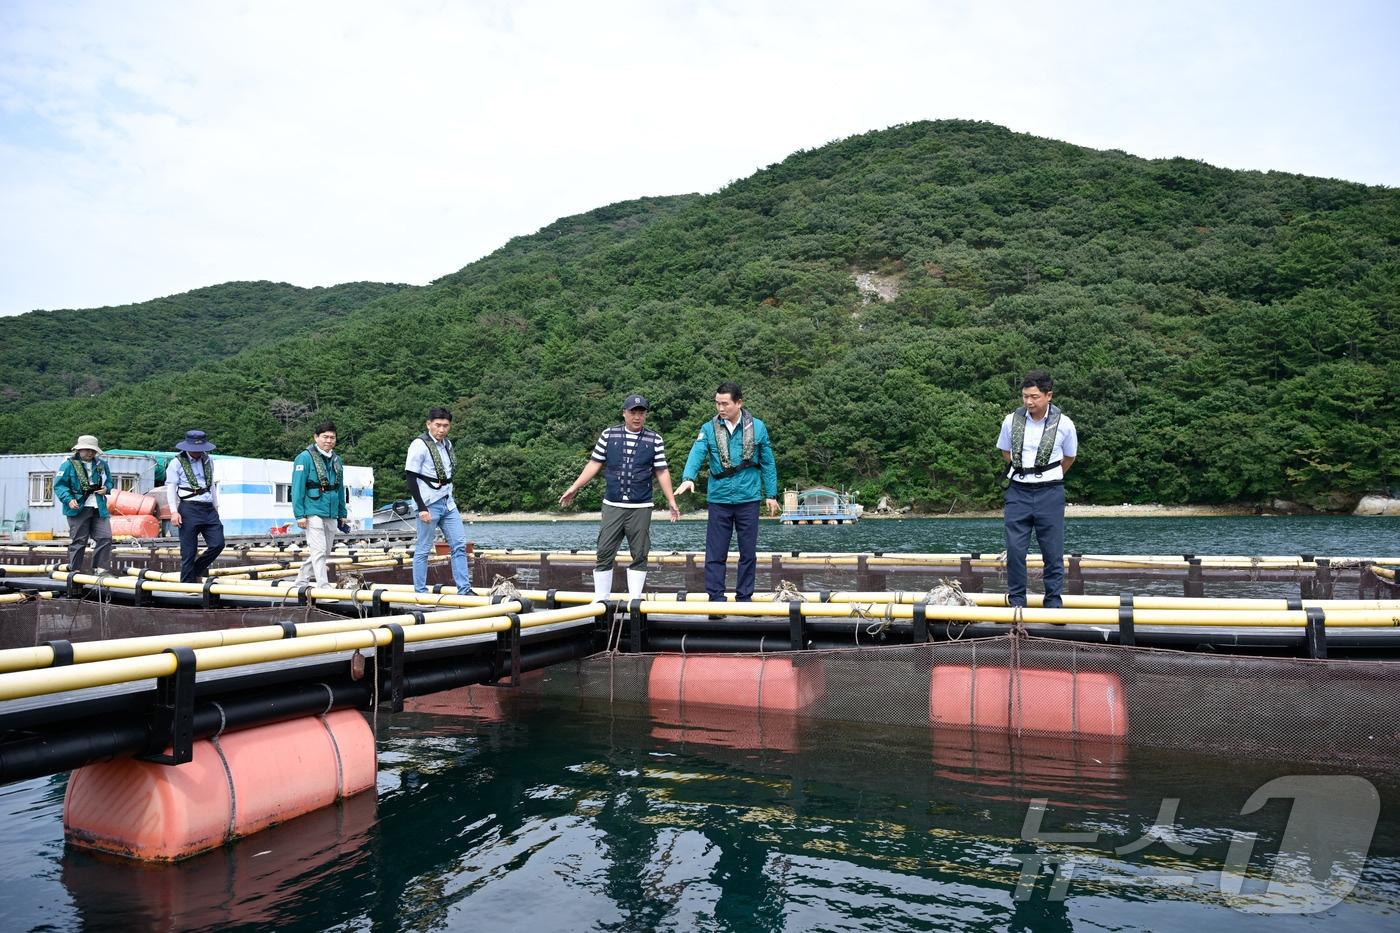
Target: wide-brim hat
point(195, 442)
point(87, 442)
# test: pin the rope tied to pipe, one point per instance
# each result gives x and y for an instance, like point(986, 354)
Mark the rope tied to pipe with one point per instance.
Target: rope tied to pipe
point(877, 623)
point(787, 592)
point(950, 593)
point(947, 593)
point(504, 587)
point(351, 580)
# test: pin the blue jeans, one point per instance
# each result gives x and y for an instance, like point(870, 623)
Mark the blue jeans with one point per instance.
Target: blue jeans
point(725, 521)
point(450, 521)
point(1038, 507)
point(199, 518)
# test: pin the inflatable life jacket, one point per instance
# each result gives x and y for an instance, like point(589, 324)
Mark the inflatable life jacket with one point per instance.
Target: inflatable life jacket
point(187, 468)
point(746, 457)
point(326, 480)
point(1043, 452)
point(442, 476)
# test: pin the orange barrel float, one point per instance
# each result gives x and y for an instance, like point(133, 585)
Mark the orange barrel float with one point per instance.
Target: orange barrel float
point(770, 683)
point(1028, 700)
point(125, 502)
point(135, 526)
point(237, 784)
point(742, 702)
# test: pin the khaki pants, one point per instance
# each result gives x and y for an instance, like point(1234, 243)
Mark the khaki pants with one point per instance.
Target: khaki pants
point(617, 522)
point(320, 537)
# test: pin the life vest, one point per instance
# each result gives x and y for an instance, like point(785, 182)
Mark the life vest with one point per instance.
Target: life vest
point(326, 480)
point(629, 473)
point(722, 437)
point(87, 485)
point(1047, 442)
point(443, 476)
point(187, 468)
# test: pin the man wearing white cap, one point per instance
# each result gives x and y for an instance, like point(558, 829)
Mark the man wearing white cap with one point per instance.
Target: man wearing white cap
point(632, 454)
point(82, 487)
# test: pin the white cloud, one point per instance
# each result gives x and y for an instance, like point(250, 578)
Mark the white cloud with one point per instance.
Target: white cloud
point(151, 148)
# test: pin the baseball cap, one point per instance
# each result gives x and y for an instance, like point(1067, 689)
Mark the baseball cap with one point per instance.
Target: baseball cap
point(635, 401)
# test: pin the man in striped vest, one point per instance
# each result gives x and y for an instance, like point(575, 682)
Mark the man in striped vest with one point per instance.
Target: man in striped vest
point(1038, 443)
point(632, 455)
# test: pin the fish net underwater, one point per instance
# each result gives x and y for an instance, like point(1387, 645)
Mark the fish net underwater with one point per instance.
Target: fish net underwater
point(1011, 686)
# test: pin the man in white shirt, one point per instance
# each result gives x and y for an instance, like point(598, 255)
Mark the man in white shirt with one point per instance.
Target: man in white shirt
point(1038, 442)
point(194, 505)
point(428, 472)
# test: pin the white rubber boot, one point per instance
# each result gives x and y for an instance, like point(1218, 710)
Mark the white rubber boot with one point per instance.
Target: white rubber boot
point(636, 582)
point(602, 585)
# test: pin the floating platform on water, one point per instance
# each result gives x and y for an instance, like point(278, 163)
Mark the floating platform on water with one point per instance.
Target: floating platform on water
point(138, 675)
point(819, 505)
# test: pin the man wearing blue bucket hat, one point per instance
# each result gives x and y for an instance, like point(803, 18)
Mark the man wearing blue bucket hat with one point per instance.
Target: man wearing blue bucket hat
point(194, 506)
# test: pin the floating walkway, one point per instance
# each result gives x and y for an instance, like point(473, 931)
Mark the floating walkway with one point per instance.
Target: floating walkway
point(238, 702)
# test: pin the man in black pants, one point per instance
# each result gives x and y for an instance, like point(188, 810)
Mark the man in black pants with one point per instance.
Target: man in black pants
point(1038, 443)
point(194, 506)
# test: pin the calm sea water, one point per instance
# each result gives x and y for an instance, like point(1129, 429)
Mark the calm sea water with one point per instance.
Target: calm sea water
point(565, 817)
point(1272, 535)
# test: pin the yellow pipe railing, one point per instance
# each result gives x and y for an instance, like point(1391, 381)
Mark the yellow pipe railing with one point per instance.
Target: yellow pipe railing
point(980, 599)
point(838, 559)
point(30, 683)
point(85, 652)
point(1353, 618)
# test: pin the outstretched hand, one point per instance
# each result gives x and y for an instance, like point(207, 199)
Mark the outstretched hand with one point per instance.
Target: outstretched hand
point(687, 486)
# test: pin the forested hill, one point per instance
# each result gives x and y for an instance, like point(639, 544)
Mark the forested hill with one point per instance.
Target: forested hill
point(1216, 335)
point(61, 354)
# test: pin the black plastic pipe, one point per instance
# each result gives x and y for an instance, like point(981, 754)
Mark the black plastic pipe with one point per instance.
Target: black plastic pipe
point(130, 732)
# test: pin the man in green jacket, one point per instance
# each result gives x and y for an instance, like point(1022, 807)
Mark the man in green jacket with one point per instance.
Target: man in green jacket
point(82, 487)
point(734, 444)
point(318, 500)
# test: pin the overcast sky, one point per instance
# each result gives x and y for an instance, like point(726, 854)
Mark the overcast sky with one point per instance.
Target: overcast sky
point(147, 148)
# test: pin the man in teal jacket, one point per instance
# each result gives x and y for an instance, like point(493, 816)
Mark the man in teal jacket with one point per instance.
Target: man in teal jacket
point(318, 500)
point(82, 487)
point(734, 444)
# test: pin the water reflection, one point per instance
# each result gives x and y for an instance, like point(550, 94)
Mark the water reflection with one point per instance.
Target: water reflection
point(568, 816)
point(262, 881)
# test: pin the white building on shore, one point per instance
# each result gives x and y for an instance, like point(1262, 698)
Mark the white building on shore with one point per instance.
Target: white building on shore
point(255, 495)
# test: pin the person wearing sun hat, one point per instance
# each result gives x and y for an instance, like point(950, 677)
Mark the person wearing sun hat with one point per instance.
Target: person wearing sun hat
point(194, 505)
point(82, 487)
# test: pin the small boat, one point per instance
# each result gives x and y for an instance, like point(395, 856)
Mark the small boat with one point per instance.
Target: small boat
point(819, 506)
point(397, 516)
